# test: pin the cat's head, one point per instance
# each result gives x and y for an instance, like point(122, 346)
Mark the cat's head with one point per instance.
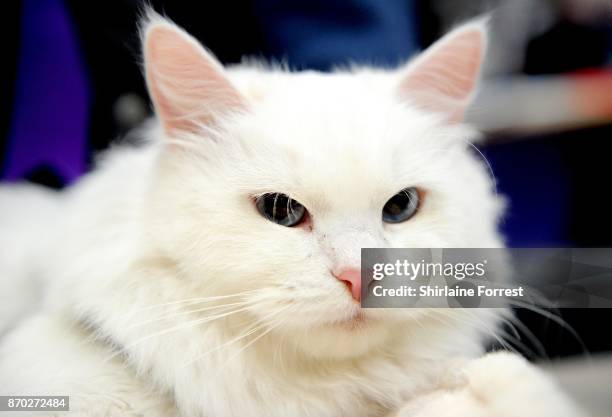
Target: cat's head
point(269, 182)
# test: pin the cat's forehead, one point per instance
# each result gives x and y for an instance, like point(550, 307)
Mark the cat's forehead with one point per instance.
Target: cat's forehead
point(341, 134)
point(356, 111)
point(310, 91)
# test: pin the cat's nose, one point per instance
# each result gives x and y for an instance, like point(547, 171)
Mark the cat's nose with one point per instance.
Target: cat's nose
point(352, 278)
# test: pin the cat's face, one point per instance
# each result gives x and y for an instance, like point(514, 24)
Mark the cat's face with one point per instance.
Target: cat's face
point(363, 163)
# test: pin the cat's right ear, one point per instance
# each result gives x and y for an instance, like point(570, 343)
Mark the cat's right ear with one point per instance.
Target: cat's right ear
point(188, 86)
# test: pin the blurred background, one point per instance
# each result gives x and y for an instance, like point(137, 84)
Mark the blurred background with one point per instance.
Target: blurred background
point(72, 84)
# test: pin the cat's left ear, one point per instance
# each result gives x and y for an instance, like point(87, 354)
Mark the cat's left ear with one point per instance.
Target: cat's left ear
point(443, 78)
point(188, 86)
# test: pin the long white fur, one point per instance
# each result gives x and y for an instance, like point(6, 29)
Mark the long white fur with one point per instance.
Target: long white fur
point(167, 294)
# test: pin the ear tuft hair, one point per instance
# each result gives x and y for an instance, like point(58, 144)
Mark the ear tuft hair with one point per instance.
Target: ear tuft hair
point(188, 86)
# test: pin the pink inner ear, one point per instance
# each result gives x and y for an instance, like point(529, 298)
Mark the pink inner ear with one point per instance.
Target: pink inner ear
point(443, 79)
point(187, 85)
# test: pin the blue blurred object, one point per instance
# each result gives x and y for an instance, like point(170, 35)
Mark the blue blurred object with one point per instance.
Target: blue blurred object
point(319, 34)
point(534, 177)
point(49, 122)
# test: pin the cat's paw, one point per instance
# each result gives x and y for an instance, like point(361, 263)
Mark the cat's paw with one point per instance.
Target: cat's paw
point(497, 385)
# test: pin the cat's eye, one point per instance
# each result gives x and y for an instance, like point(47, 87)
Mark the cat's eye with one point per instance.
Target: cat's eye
point(402, 206)
point(280, 208)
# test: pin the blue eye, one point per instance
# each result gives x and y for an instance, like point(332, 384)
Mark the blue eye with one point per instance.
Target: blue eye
point(280, 209)
point(402, 206)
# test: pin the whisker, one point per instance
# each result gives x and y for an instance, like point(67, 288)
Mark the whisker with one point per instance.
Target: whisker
point(556, 319)
point(537, 344)
point(488, 164)
point(186, 312)
point(187, 325)
point(195, 300)
point(259, 324)
point(271, 328)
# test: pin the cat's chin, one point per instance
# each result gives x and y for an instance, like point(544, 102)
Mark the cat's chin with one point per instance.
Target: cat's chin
point(357, 322)
point(343, 339)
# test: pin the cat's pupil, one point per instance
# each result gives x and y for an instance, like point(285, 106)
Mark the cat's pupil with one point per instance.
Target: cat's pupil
point(402, 206)
point(281, 209)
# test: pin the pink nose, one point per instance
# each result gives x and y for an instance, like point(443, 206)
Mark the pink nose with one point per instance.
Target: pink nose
point(352, 278)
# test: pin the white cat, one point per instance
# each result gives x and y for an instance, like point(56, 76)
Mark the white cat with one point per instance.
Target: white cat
point(180, 280)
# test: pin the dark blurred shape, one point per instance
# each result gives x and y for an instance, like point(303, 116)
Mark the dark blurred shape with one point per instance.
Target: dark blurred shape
point(45, 175)
point(587, 154)
point(8, 70)
point(566, 47)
